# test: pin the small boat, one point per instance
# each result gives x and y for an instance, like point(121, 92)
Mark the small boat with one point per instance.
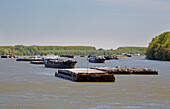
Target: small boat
point(60, 63)
point(85, 75)
point(33, 58)
point(97, 59)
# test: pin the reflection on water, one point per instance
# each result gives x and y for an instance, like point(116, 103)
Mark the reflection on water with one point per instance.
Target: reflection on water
point(24, 85)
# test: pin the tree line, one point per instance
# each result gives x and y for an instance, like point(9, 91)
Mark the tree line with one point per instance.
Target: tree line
point(67, 50)
point(159, 47)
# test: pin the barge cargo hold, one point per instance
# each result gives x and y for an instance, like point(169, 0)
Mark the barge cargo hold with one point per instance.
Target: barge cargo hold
point(118, 56)
point(85, 75)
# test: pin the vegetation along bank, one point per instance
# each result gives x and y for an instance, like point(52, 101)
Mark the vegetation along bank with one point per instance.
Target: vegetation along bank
point(159, 47)
point(67, 50)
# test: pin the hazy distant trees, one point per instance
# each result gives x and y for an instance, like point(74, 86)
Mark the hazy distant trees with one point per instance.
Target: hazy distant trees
point(67, 50)
point(159, 47)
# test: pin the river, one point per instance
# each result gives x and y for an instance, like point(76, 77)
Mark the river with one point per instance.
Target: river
point(24, 85)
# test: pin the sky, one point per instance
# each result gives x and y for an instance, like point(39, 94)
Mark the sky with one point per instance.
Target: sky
point(101, 23)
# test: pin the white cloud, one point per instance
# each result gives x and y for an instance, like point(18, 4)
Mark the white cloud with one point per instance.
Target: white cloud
point(144, 4)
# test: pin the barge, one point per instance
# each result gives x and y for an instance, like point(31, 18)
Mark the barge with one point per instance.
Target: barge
point(85, 75)
point(97, 59)
point(34, 58)
point(128, 70)
point(5, 56)
point(60, 63)
point(111, 57)
point(9, 56)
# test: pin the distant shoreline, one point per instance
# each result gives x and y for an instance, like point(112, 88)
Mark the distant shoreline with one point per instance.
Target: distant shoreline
point(68, 50)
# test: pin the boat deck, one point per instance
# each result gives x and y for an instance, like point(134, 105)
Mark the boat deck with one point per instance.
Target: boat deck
point(77, 71)
point(127, 70)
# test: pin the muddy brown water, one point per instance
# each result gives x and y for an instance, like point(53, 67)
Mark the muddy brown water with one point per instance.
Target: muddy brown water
point(25, 85)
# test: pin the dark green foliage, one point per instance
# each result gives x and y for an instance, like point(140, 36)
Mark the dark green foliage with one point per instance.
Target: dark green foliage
point(159, 47)
point(67, 50)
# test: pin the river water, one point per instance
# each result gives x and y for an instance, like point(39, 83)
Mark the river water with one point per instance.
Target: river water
point(24, 85)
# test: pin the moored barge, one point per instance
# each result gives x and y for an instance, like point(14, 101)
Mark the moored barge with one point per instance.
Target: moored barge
point(128, 70)
point(111, 57)
point(60, 63)
point(9, 56)
point(85, 75)
point(33, 58)
point(97, 59)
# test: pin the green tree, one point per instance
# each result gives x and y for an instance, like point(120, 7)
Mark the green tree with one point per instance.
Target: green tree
point(159, 47)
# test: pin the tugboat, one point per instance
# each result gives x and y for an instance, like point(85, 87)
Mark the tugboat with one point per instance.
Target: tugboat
point(97, 59)
point(60, 63)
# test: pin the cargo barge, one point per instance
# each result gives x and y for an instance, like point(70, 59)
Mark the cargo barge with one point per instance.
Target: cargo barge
point(111, 57)
point(9, 56)
point(97, 59)
point(60, 63)
point(85, 75)
point(34, 58)
point(128, 70)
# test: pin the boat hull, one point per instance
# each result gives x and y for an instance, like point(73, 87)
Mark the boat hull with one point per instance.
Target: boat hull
point(80, 75)
point(61, 65)
point(37, 62)
point(4, 56)
point(28, 59)
point(111, 58)
point(95, 78)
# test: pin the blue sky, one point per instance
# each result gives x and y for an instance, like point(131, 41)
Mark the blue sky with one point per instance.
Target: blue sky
point(100, 23)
